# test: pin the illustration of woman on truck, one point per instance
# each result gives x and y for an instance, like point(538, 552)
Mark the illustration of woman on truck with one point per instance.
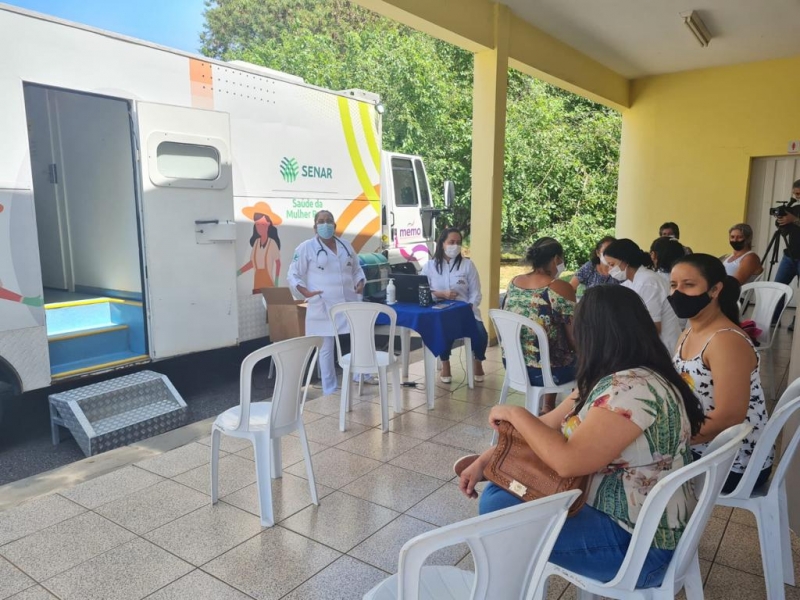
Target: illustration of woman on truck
point(265, 257)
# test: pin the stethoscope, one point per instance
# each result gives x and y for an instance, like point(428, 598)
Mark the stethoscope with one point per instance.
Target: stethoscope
point(322, 263)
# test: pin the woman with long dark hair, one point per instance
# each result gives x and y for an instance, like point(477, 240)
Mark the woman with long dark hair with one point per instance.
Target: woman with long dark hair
point(626, 260)
point(265, 253)
point(628, 425)
point(664, 251)
point(452, 276)
point(717, 359)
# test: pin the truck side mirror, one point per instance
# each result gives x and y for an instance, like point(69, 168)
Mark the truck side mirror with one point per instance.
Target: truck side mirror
point(449, 193)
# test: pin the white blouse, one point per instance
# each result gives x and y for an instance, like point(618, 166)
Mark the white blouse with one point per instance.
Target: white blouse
point(462, 279)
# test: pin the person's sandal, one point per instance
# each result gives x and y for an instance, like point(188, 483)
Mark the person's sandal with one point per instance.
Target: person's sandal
point(446, 379)
point(463, 462)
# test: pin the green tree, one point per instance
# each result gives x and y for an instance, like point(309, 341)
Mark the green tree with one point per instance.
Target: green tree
point(562, 150)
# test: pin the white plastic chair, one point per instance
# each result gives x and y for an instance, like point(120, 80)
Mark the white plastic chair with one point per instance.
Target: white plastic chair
point(769, 503)
point(363, 358)
point(508, 326)
point(767, 296)
point(745, 296)
point(265, 423)
point(709, 474)
point(510, 548)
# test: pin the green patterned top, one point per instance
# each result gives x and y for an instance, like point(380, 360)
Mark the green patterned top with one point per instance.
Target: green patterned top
point(553, 312)
point(620, 489)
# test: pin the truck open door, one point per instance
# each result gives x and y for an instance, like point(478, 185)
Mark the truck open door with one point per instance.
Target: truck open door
point(188, 229)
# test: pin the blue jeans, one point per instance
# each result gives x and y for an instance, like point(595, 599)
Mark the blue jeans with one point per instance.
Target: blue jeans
point(479, 343)
point(788, 269)
point(590, 543)
point(560, 375)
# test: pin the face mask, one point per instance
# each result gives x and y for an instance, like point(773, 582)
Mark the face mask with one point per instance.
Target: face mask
point(687, 307)
point(616, 273)
point(452, 251)
point(325, 230)
point(738, 245)
point(559, 269)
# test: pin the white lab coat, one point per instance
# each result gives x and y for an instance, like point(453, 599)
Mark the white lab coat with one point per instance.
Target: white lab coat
point(315, 267)
point(462, 279)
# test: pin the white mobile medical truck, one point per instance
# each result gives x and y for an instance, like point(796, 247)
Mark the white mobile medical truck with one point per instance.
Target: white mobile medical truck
point(146, 195)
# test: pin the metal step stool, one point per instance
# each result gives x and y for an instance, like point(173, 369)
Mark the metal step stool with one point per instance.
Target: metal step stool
point(117, 412)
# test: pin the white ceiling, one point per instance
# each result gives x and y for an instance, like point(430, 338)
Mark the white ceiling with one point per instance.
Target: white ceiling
point(647, 37)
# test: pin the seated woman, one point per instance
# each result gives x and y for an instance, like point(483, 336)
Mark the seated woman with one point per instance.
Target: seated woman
point(629, 425)
point(453, 277)
point(594, 271)
point(663, 252)
point(542, 297)
point(717, 359)
point(626, 260)
point(742, 263)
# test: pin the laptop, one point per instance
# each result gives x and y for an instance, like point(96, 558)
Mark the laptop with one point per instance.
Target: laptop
point(407, 286)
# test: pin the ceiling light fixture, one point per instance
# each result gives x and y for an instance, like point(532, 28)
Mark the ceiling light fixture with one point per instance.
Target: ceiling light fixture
point(695, 24)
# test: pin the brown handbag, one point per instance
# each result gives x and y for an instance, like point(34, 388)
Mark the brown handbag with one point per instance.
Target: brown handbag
point(517, 469)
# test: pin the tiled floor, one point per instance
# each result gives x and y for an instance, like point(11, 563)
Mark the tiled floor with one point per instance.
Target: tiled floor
point(148, 530)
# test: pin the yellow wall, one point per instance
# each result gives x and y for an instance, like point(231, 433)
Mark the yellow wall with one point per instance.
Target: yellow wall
point(687, 142)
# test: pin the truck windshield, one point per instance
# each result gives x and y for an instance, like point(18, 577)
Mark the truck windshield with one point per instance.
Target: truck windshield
point(405, 188)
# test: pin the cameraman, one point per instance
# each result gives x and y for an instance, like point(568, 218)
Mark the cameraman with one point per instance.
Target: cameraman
point(789, 225)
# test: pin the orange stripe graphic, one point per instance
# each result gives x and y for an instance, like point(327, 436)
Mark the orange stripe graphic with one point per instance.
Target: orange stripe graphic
point(202, 84)
point(354, 209)
point(370, 229)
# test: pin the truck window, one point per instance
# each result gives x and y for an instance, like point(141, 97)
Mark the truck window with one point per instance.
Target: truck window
point(424, 192)
point(187, 161)
point(405, 187)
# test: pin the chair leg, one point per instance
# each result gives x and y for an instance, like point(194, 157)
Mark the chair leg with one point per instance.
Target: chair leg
point(693, 582)
point(405, 343)
point(501, 400)
point(468, 356)
point(584, 595)
point(786, 537)
point(261, 451)
point(216, 436)
point(360, 385)
point(533, 400)
point(769, 537)
point(384, 389)
point(396, 395)
point(276, 458)
point(345, 400)
point(312, 484)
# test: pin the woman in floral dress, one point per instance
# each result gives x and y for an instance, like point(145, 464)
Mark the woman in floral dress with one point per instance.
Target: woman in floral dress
point(628, 425)
point(542, 297)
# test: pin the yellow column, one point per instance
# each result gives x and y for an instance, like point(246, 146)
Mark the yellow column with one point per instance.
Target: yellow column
point(488, 147)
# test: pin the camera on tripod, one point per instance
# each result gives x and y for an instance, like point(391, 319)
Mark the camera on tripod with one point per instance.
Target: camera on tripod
point(779, 211)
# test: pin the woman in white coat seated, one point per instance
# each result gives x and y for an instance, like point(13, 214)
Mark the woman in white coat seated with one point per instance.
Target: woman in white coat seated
point(453, 277)
point(325, 270)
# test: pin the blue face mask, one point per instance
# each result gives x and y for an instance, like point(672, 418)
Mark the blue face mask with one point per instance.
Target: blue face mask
point(325, 230)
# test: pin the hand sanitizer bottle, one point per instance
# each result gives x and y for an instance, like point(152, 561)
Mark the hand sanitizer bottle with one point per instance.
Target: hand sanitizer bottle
point(390, 293)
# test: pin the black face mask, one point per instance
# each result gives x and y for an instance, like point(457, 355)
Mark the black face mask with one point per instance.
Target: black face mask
point(687, 307)
point(737, 245)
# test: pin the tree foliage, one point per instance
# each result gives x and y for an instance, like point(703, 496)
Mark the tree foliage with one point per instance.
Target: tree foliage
point(562, 151)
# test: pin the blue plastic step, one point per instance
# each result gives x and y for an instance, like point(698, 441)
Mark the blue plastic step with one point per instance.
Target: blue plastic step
point(94, 335)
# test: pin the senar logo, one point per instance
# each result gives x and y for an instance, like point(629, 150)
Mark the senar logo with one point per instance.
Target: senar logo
point(289, 169)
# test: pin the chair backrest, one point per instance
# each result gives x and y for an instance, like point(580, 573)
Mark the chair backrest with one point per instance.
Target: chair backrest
point(293, 359)
point(709, 475)
point(361, 318)
point(767, 295)
point(508, 326)
point(510, 548)
point(787, 406)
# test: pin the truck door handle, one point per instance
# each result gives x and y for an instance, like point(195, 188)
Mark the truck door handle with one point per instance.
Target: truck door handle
point(207, 222)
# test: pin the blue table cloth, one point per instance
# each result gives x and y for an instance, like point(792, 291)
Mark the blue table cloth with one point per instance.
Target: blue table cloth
point(438, 327)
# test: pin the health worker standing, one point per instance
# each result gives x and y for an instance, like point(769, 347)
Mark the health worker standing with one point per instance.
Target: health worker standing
point(325, 271)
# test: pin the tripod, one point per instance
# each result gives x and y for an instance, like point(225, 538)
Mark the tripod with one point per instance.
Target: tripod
point(773, 251)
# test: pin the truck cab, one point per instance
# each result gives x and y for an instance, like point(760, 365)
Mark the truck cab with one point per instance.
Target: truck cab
point(407, 212)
